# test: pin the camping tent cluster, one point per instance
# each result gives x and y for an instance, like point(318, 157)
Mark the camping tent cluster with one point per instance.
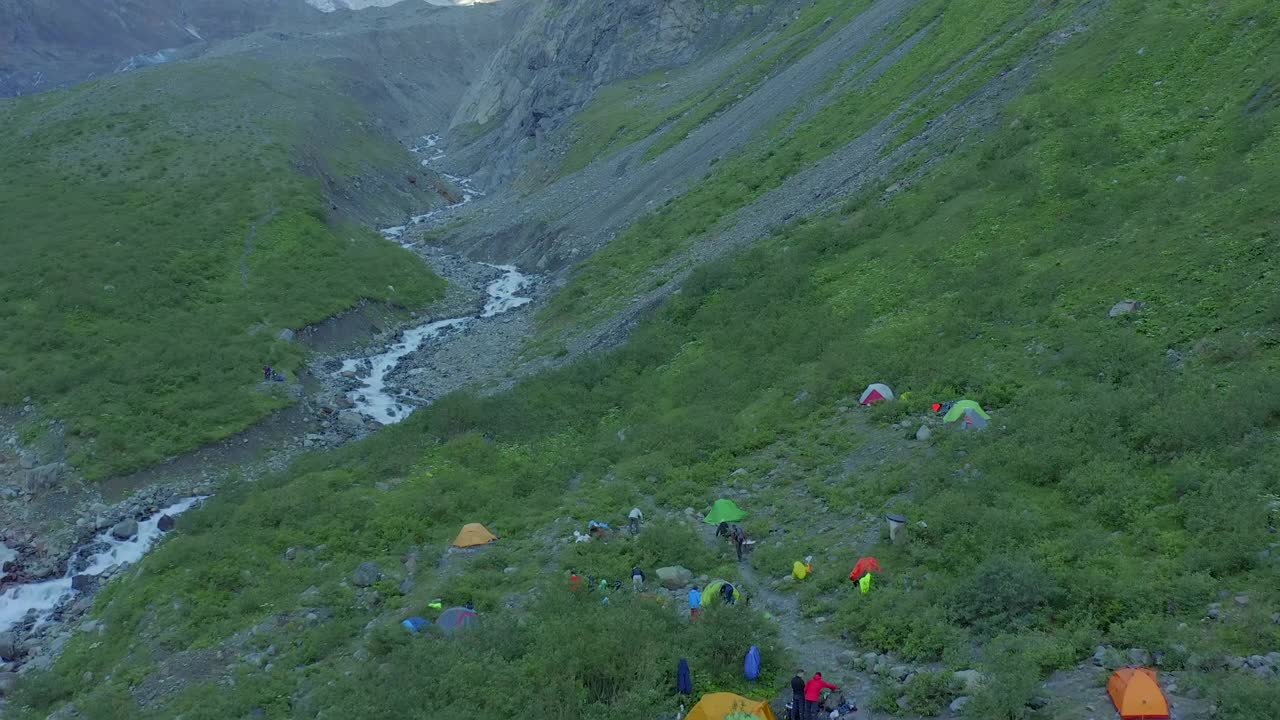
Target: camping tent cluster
point(967, 413)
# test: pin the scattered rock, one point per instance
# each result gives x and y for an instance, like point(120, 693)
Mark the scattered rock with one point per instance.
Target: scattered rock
point(165, 523)
point(674, 577)
point(903, 702)
point(1242, 599)
point(286, 335)
point(8, 646)
point(1125, 307)
point(957, 705)
point(350, 420)
point(1139, 656)
point(924, 433)
point(84, 583)
point(900, 672)
point(124, 529)
point(970, 680)
point(406, 587)
point(38, 479)
point(7, 681)
point(291, 554)
point(366, 574)
point(1214, 612)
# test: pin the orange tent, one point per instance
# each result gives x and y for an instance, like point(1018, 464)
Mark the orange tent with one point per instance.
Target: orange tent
point(718, 706)
point(1136, 694)
point(473, 534)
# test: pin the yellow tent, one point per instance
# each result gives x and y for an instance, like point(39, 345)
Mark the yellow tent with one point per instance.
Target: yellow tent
point(718, 706)
point(473, 534)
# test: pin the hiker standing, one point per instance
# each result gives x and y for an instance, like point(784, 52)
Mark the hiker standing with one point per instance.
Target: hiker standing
point(813, 693)
point(797, 695)
point(267, 372)
point(575, 581)
point(637, 578)
point(695, 603)
point(634, 518)
point(739, 537)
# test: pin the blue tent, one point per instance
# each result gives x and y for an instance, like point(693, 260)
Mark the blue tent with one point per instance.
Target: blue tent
point(751, 667)
point(684, 679)
point(416, 624)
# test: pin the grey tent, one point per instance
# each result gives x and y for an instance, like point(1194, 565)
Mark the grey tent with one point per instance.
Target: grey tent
point(455, 618)
point(972, 420)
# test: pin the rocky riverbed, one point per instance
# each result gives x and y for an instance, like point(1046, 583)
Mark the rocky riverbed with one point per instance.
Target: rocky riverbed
point(55, 523)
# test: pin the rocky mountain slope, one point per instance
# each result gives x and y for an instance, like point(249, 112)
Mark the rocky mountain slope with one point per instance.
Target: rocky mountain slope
point(45, 45)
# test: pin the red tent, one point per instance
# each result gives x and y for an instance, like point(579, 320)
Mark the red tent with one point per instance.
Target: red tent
point(864, 566)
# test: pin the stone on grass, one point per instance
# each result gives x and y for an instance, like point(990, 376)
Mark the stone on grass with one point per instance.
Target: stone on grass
point(970, 680)
point(1125, 307)
point(165, 523)
point(957, 705)
point(674, 577)
point(366, 574)
point(924, 433)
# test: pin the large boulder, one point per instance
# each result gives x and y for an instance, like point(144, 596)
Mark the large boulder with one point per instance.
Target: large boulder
point(166, 523)
point(351, 420)
point(970, 680)
point(366, 574)
point(40, 478)
point(7, 681)
point(674, 577)
point(84, 583)
point(124, 529)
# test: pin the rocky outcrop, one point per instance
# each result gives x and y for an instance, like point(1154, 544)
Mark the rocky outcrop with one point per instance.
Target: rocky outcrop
point(567, 49)
point(44, 45)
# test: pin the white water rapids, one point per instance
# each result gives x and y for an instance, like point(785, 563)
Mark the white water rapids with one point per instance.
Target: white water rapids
point(44, 596)
point(373, 399)
point(430, 143)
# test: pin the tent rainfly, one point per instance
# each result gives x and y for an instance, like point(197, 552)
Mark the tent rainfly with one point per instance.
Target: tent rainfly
point(876, 392)
point(724, 510)
point(718, 706)
point(473, 534)
point(960, 407)
point(1137, 695)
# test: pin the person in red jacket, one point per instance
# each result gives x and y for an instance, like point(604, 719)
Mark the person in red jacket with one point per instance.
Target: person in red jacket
point(813, 694)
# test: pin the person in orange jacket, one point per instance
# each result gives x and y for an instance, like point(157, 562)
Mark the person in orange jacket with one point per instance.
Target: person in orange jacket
point(813, 694)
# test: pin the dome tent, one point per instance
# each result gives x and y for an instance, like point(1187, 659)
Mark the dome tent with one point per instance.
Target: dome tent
point(876, 392)
point(961, 407)
point(1137, 695)
point(711, 593)
point(472, 535)
point(454, 619)
point(721, 705)
point(724, 510)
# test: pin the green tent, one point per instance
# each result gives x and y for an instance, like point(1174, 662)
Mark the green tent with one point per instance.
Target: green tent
point(957, 411)
point(725, 511)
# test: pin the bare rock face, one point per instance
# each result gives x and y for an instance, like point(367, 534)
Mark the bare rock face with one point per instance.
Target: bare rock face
point(47, 44)
point(567, 49)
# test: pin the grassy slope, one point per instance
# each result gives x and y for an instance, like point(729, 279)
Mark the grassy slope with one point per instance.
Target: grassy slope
point(618, 271)
point(129, 287)
point(1114, 496)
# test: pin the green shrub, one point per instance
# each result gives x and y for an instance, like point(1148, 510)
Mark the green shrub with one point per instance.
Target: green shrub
point(929, 693)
